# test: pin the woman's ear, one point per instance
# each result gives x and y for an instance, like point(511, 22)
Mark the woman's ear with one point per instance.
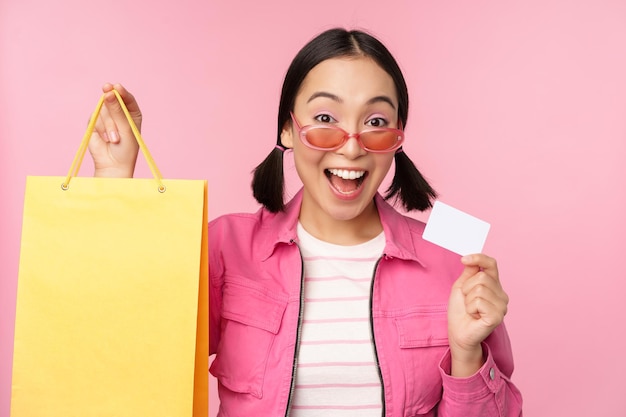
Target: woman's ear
point(286, 135)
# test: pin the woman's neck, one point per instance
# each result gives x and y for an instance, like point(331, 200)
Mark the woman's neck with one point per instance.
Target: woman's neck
point(366, 226)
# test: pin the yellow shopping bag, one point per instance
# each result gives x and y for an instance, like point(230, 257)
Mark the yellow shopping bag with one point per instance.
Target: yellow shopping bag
point(112, 303)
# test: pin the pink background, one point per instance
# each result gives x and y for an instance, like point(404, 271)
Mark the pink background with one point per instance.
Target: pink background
point(518, 116)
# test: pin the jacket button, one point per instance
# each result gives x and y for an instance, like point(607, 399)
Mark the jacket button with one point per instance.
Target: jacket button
point(492, 374)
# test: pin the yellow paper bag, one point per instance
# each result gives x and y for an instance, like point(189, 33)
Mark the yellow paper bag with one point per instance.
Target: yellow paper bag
point(112, 303)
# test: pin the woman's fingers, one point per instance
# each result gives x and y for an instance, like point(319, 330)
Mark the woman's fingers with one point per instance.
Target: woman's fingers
point(113, 126)
point(113, 145)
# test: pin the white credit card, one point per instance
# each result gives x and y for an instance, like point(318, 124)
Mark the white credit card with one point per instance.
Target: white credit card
point(455, 230)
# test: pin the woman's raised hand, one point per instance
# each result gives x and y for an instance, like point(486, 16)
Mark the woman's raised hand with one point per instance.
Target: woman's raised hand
point(477, 306)
point(112, 145)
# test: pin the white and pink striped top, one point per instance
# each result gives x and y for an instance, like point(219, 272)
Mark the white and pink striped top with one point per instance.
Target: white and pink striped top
point(336, 373)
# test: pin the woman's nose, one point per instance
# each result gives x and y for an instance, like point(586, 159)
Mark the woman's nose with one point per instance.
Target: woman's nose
point(352, 147)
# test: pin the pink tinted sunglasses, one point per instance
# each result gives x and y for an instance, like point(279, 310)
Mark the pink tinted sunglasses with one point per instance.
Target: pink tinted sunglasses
point(328, 137)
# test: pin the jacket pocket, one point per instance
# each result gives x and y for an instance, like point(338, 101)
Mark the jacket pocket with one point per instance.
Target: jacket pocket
point(423, 340)
point(251, 318)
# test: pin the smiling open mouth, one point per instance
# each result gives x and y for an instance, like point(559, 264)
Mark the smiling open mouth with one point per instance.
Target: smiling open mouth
point(345, 181)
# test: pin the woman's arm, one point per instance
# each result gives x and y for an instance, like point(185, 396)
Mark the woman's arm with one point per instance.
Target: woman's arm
point(476, 370)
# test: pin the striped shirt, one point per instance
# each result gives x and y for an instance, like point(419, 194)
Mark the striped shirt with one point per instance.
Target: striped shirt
point(336, 373)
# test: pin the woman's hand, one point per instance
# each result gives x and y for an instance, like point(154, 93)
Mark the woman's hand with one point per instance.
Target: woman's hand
point(476, 307)
point(112, 145)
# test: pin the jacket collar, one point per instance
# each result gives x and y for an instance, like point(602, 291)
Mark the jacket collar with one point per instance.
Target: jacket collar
point(401, 240)
point(279, 228)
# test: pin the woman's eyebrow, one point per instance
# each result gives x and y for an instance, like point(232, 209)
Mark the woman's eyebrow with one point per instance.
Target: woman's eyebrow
point(338, 99)
point(384, 99)
point(324, 94)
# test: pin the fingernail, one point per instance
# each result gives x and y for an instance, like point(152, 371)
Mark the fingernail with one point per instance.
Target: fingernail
point(466, 258)
point(114, 137)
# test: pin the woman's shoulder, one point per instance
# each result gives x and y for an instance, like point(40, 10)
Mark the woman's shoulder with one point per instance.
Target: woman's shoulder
point(236, 220)
point(261, 219)
point(233, 217)
point(243, 224)
point(397, 219)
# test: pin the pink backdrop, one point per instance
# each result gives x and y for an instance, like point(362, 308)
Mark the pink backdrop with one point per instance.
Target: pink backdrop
point(518, 116)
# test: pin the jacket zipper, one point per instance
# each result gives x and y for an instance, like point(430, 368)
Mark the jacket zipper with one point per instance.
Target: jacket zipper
point(298, 333)
point(380, 374)
point(299, 330)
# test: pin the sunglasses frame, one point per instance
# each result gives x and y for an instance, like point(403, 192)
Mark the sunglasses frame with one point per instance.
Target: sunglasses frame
point(303, 130)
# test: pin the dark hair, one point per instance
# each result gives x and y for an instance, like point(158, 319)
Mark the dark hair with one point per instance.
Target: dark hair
point(408, 185)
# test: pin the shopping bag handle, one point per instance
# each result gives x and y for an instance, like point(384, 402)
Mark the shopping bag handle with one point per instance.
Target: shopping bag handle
point(78, 158)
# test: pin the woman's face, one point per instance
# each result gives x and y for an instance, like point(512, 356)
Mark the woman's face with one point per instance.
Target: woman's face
point(339, 185)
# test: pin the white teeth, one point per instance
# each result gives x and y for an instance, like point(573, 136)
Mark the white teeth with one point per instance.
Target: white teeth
point(347, 174)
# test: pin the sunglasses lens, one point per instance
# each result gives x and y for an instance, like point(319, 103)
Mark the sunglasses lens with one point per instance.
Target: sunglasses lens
point(326, 138)
point(322, 137)
point(380, 140)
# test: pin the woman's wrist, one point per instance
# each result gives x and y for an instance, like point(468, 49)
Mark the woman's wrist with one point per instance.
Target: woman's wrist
point(465, 363)
point(113, 172)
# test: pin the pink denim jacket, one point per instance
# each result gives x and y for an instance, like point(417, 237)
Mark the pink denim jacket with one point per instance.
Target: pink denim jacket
point(255, 309)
